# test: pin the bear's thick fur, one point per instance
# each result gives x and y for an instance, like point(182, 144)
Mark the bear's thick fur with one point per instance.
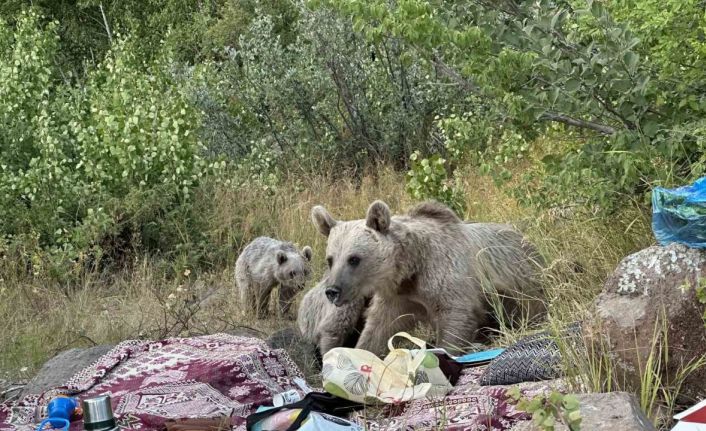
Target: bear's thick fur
point(327, 326)
point(429, 266)
point(265, 263)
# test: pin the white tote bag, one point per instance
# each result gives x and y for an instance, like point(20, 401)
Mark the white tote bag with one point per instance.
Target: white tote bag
point(359, 375)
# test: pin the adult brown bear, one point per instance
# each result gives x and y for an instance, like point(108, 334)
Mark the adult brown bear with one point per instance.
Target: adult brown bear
point(428, 265)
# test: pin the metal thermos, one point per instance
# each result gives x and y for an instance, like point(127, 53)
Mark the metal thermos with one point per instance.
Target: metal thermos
point(98, 414)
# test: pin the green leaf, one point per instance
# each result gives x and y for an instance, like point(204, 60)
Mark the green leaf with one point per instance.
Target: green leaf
point(555, 19)
point(555, 397)
point(358, 25)
point(548, 423)
point(574, 416)
point(550, 159)
point(650, 128)
point(570, 402)
point(642, 83)
point(534, 404)
point(538, 416)
point(630, 58)
point(572, 85)
point(547, 48)
point(597, 10)
point(514, 393)
point(622, 85)
point(554, 95)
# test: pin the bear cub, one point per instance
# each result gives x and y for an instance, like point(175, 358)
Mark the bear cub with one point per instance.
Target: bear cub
point(266, 263)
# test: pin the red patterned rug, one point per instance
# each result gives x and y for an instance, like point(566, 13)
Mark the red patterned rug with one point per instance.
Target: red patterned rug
point(468, 407)
point(151, 382)
point(211, 376)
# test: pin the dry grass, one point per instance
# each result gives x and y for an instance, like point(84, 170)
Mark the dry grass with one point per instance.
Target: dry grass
point(40, 319)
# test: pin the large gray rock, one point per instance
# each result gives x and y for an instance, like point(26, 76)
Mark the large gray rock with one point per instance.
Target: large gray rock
point(611, 411)
point(62, 367)
point(614, 411)
point(652, 290)
point(302, 352)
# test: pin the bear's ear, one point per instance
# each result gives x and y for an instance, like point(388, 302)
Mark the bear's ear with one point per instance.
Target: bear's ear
point(306, 251)
point(378, 217)
point(281, 257)
point(322, 220)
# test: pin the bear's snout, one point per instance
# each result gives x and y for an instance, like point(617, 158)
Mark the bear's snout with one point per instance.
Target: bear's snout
point(332, 293)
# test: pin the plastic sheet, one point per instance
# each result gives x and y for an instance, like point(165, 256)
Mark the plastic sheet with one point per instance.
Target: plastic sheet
point(679, 215)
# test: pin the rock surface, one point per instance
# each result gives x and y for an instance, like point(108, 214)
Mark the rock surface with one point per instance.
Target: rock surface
point(58, 370)
point(246, 332)
point(650, 290)
point(612, 411)
point(605, 412)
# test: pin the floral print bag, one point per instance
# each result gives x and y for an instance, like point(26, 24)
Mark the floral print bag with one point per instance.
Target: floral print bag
point(403, 375)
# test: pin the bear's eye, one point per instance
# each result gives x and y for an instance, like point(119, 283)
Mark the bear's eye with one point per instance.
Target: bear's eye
point(353, 261)
point(329, 260)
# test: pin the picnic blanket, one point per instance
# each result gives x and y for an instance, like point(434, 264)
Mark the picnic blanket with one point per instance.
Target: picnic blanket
point(151, 382)
point(210, 376)
point(469, 406)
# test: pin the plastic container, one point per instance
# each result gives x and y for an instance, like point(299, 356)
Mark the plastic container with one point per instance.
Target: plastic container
point(59, 411)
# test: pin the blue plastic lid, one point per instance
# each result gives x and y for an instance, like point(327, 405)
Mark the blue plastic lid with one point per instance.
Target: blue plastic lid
point(483, 356)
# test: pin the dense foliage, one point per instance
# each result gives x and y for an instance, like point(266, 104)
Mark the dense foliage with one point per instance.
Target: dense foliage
point(571, 63)
point(115, 114)
point(74, 156)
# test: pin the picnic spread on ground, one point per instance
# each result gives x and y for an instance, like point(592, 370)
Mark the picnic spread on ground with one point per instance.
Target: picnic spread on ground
point(202, 383)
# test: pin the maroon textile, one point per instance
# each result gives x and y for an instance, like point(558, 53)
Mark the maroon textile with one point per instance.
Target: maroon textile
point(468, 407)
point(151, 382)
point(219, 375)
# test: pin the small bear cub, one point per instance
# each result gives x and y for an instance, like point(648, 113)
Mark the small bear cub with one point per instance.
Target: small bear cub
point(265, 263)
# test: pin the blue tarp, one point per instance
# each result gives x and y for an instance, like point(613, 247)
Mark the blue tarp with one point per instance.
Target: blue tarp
point(679, 215)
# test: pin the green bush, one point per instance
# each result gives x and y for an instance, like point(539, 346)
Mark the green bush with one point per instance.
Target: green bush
point(550, 410)
point(428, 179)
point(581, 65)
point(106, 138)
point(74, 154)
point(327, 95)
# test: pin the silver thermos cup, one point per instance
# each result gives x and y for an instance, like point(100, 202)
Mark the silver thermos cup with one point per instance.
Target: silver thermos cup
point(98, 414)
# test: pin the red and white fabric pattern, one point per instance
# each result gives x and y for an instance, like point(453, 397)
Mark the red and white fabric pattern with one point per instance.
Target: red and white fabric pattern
point(151, 382)
point(220, 375)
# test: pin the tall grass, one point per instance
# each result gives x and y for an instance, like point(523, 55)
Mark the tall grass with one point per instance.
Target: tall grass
point(161, 296)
